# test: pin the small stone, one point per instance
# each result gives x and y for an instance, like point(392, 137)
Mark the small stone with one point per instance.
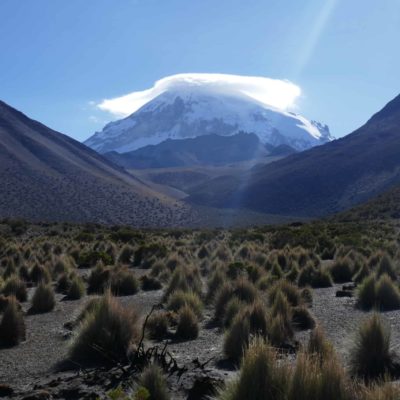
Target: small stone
point(344, 293)
point(6, 390)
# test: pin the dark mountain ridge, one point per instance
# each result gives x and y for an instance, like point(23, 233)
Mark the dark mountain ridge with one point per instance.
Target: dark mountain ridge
point(45, 175)
point(210, 149)
point(320, 181)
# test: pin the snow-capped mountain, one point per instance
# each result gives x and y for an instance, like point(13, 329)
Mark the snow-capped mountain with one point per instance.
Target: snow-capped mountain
point(190, 110)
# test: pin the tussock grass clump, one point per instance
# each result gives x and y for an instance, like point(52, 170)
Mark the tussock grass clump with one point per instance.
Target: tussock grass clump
point(307, 295)
point(150, 283)
point(126, 255)
point(123, 282)
point(312, 379)
point(387, 294)
point(366, 293)
point(290, 290)
point(386, 266)
point(23, 273)
point(319, 346)
point(179, 299)
point(341, 270)
point(76, 289)
point(293, 273)
point(237, 337)
point(314, 277)
point(251, 320)
point(157, 326)
point(99, 279)
point(233, 307)
point(281, 330)
point(153, 379)
point(302, 318)
point(261, 376)
point(362, 273)
point(43, 299)
point(370, 356)
point(387, 391)
point(4, 301)
point(107, 330)
point(188, 325)
point(158, 268)
point(224, 295)
point(14, 286)
point(214, 283)
point(382, 294)
point(185, 279)
point(241, 289)
point(12, 326)
point(63, 283)
point(39, 274)
point(245, 290)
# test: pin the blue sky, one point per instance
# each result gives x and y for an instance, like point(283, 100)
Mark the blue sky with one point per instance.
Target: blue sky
point(57, 56)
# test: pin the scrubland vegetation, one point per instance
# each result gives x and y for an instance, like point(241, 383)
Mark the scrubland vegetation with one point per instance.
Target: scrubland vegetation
point(254, 288)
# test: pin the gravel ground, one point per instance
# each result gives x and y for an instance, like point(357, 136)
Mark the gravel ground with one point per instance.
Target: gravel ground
point(34, 360)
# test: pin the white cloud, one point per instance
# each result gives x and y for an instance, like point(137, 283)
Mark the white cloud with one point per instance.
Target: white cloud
point(272, 92)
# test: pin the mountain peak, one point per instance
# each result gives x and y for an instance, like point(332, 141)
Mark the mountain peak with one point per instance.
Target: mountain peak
point(188, 110)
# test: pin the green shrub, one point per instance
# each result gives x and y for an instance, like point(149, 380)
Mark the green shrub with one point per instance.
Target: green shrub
point(108, 330)
point(14, 286)
point(370, 355)
point(43, 300)
point(12, 326)
point(91, 258)
point(188, 326)
point(152, 378)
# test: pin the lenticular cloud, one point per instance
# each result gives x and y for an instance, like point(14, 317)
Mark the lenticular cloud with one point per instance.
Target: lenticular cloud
point(271, 92)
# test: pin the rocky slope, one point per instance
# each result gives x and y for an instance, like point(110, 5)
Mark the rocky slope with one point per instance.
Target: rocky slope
point(45, 175)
